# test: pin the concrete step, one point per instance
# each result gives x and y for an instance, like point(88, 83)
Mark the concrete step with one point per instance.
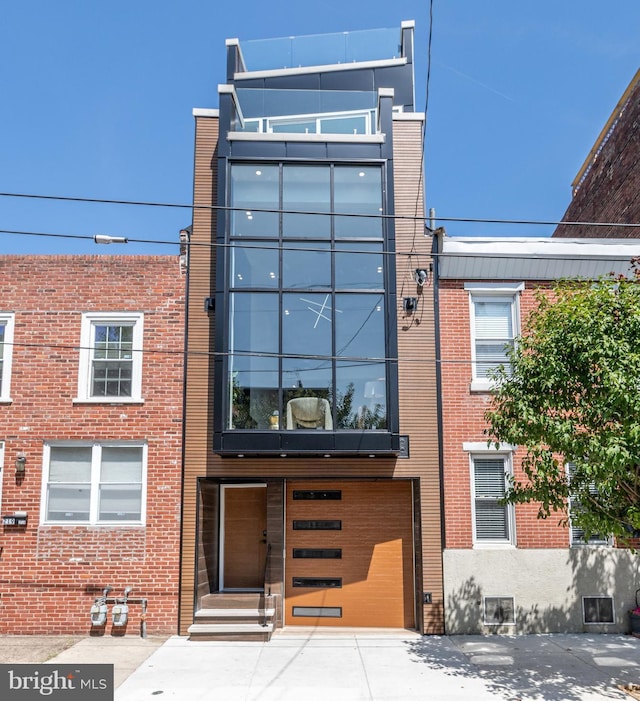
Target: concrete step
point(235, 613)
point(233, 600)
point(231, 631)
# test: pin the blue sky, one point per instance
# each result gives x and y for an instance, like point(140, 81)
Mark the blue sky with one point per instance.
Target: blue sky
point(97, 99)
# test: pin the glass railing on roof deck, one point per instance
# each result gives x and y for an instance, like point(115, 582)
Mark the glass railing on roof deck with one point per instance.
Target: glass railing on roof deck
point(306, 111)
point(321, 49)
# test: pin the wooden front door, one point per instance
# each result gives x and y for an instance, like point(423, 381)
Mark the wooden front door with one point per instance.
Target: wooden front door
point(243, 551)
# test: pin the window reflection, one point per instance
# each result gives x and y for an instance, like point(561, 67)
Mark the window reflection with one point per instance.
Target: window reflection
point(255, 266)
point(358, 190)
point(254, 187)
point(306, 266)
point(306, 189)
point(359, 266)
point(361, 395)
point(307, 332)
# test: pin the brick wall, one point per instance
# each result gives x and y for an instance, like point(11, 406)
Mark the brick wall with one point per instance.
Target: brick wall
point(609, 191)
point(463, 421)
point(50, 574)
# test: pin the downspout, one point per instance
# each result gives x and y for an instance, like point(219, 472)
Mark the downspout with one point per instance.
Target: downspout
point(436, 249)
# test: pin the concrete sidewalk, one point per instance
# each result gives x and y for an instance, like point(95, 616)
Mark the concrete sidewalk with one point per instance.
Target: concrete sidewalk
point(386, 666)
point(351, 665)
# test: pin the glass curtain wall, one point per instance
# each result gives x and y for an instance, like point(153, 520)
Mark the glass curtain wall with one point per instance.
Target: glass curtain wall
point(306, 298)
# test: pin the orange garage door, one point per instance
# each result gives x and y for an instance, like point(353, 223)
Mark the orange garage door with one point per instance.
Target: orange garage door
point(349, 558)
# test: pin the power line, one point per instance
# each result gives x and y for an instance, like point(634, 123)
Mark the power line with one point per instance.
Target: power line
point(402, 217)
point(356, 360)
point(296, 247)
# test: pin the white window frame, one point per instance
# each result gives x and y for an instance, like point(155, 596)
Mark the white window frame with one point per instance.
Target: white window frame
point(482, 451)
point(87, 333)
point(503, 291)
point(576, 535)
point(8, 321)
point(598, 623)
point(96, 454)
point(488, 622)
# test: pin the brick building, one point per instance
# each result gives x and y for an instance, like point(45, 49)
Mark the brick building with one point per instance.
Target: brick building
point(91, 372)
point(504, 569)
point(607, 187)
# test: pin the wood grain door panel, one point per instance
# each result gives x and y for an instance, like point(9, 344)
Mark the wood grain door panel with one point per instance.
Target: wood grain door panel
point(376, 567)
point(244, 547)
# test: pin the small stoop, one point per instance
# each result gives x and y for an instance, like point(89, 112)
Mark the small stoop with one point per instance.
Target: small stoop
point(235, 616)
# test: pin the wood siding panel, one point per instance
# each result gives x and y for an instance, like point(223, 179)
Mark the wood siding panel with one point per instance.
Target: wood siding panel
point(376, 568)
point(417, 384)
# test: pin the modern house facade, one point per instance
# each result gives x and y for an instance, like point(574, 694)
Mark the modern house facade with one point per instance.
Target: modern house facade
point(312, 491)
point(91, 372)
point(505, 570)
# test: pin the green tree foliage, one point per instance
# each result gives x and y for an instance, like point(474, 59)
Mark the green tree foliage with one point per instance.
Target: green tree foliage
point(572, 395)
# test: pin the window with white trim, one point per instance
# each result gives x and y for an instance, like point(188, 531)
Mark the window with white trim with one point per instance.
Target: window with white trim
point(94, 483)
point(494, 313)
point(493, 522)
point(499, 611)
point(577, 535)
point(111, 357)
point(6, 353)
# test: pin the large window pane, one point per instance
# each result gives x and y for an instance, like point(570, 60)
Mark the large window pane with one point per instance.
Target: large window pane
point(361, 395)
point(254, 187)
point(360, 325)
point(253, 322)
point(307, 393)
point(306, 189)
point(307, 324)
point(359, 266)
point(253, 388)
point(306, 266)
point(254, 265)
point(358, 190)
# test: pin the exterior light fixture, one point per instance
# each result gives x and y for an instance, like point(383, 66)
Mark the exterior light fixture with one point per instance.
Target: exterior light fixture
point(21, 461)
point(410, 304)
point(421, 276)
point(105, 238)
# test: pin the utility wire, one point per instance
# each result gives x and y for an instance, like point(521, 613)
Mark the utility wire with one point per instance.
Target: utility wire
point(402, 217)
point(352, 360)
point(296, 247)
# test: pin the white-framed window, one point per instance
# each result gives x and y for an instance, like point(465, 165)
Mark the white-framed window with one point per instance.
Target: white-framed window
point(110, 357)
point(495, 323)
point(94, 483)
point(7, 322)
point(499, 611)
point(493, 522)
point(598, 609)
point(577, 535)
